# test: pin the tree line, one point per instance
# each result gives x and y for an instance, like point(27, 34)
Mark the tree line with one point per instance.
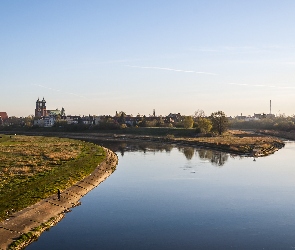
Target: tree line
point(278, 123)
point(216, 123)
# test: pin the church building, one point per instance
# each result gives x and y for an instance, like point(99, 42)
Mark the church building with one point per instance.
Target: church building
point(41, 113)
point(40, 110)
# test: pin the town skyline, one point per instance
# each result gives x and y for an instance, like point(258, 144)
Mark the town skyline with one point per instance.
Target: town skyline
point(135, 56)
point(45, 111)
point(49, 109)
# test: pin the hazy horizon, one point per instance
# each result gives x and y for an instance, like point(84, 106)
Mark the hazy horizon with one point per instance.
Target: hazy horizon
point(99, 57)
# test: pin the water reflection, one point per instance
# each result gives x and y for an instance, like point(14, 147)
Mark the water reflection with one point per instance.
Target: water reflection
point(144, 147)
point(217, 158)
point(188, 152)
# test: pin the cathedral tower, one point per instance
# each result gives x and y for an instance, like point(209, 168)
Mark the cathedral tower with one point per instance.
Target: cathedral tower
point(40, 108)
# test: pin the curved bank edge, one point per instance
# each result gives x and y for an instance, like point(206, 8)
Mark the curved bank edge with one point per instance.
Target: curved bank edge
point(28, 224)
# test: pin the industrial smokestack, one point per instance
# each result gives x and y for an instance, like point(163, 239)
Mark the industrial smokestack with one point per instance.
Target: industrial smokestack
point(270, 106)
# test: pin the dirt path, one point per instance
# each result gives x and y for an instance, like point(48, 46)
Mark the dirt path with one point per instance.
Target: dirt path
point(31, 217)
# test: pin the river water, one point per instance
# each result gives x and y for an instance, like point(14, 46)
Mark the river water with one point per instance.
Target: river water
point(169, 197)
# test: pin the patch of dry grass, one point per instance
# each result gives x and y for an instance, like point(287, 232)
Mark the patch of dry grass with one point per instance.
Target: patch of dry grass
point(33, 167)
point(28, 155)
point(239, 141)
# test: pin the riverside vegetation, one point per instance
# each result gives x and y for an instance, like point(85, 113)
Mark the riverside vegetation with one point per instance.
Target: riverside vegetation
point(233, 141)
point(34, 167)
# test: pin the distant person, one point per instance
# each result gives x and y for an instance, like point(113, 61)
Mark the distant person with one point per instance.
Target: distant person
point(58, 194)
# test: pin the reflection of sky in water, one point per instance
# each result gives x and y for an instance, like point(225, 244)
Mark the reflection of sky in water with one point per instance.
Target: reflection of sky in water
point(160, 200)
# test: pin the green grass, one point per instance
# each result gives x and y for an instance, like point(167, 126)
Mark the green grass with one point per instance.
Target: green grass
point(41, 177)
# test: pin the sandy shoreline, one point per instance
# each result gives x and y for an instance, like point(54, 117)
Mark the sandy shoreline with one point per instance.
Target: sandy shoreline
point(50, 211)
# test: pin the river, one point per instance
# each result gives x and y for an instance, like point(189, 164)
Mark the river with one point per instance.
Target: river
point(169, 197)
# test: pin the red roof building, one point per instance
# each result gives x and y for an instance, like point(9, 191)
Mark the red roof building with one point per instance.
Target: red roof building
point(4, 116)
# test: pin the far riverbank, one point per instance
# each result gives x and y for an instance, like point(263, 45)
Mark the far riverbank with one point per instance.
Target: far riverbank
point(245, 143)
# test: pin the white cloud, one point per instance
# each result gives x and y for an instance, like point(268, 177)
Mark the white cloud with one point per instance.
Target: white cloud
point(57, 90)
point(262, 86)
point(169, 69)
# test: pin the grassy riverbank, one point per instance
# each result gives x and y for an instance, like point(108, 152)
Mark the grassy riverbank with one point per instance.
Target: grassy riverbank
point(281, 134)
point(234, 141)
point(34, 167)
point(239, 142)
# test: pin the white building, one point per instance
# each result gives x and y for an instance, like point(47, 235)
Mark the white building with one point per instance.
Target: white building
point(49, 121)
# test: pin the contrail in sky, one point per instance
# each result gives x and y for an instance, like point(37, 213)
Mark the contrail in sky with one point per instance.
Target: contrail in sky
point(261, 86)
point(57, 90)
point(169, 69)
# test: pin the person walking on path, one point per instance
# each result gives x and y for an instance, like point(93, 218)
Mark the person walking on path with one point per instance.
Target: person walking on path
point(58, 194)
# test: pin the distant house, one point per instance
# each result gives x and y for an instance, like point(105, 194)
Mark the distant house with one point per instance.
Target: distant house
point(73, 119)
point(88, 120)
point(241, 117)
point(249, 118)
point(246, 118)
point(130, 121)
point(171, 118)
point(49, 121)
point(260, 116)
point(4, 116)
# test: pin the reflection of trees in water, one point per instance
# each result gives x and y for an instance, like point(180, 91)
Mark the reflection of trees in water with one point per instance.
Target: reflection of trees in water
point(215, 157)
point(123, 147)
point(219, 159)
point(188, 152)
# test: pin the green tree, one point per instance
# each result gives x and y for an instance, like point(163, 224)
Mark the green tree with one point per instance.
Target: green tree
point(203, 125)
point(188, 122)
point(143, 122)
point(122, 116)
point(160, 122)
point(219, 122)
point(29, 121)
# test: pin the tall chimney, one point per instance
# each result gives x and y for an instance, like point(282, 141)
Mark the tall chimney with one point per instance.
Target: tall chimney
point(270, 106)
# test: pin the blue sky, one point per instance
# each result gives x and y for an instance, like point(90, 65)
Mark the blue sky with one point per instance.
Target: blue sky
point(99, 57)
